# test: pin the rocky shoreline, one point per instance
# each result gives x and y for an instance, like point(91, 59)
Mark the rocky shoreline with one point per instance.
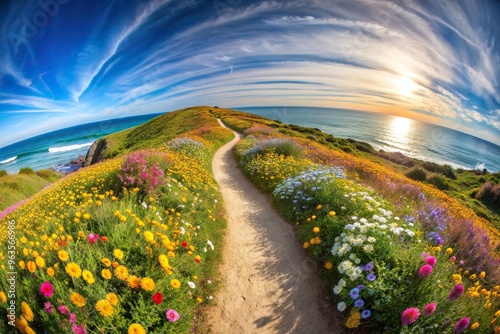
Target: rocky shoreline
point(71, 166)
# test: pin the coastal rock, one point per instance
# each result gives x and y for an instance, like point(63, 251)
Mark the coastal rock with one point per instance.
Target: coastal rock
point(95, 152)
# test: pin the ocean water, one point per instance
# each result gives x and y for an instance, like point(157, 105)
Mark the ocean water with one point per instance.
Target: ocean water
point(61, 146)
point(390, 133)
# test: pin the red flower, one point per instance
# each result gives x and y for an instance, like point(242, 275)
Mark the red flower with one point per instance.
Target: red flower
point(103, 238)
point(184, 244)
point(157, 298)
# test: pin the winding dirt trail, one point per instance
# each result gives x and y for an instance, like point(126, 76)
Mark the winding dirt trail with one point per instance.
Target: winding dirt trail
point(269, 282)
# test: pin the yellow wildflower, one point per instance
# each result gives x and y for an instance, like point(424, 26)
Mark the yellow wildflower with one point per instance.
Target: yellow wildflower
point(73, 270)
point(88, 277)
point(77, 299)
point(63, 255)
point(147, 284)
point(112, 298)
point(118, 254)
point(40, 262)
point(175, 283)
point(136, 329)
point(27, 312)
point(105, 308)
point(106, 274)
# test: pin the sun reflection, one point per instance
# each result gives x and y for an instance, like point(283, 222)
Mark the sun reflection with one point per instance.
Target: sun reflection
point(400, 130)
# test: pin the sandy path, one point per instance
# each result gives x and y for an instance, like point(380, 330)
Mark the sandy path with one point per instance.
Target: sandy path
point(269, 285)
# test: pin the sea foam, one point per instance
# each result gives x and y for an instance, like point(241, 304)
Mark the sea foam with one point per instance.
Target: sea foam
point(8, 160)
point(68, 148)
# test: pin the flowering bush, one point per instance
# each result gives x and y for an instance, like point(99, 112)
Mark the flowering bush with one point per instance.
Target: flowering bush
point(138, 170)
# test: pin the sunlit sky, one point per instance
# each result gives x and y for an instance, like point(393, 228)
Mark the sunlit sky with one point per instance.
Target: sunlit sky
point(68, 62)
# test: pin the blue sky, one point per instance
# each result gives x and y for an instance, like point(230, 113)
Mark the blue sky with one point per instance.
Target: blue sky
point(67, 62)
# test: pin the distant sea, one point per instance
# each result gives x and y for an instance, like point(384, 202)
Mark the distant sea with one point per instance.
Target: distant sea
point(390, 133)
point(61, 146)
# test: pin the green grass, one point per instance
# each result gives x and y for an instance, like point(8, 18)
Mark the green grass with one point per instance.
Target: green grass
point(16, 187)
point(158, 131)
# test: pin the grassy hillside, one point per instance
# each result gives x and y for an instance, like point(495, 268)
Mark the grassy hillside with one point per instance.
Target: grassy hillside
point(463, 185)
point(17, 187)
point(126, 245)
point(159, 130)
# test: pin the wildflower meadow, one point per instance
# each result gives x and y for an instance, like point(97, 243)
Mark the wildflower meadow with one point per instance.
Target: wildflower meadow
point(128, 245)
point(390, 249)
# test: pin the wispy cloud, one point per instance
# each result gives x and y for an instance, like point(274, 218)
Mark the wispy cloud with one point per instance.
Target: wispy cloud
point(435, 61)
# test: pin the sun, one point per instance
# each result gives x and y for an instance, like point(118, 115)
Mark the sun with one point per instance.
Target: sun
point(405, 86)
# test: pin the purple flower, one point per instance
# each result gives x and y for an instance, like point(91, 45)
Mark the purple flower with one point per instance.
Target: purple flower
point(371, 277)
point(365, 314)
point(359, 303)
point(354, 293)
point(461, 325)
point(429, 309)
point(456, 292)
point(368, 267)
point(361, 287)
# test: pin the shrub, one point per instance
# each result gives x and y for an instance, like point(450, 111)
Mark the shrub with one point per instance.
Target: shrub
point(489, 193)
point(26, 170)
point(417, 173)
point(141, 171)
point(3, 172)
point(439, 182)
point(446, 170)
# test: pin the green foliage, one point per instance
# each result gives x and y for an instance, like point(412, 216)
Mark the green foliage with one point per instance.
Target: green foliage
point(48, 175)
point(417, 173)
point(439, 181)
point(446, 170)
point(26, 170)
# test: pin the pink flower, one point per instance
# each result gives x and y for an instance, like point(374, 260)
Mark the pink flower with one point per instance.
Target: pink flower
point(456, 292)
point(429, 309)
point(461, 325)
point(425, 271)
point(78, 329)
point(409, 316)
point(425, 255)
point(63, 309)
point(453, 258)
point(72, 318)
point(93, 237)
point(172, 315)
point(430, 260)
point(46, 289)
point(48, 307)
